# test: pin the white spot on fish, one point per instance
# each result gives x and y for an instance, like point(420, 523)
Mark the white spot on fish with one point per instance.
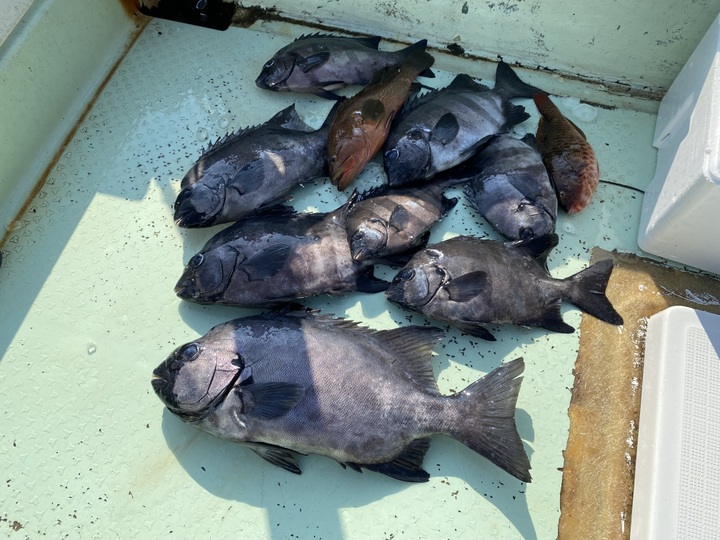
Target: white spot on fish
point(277, 161)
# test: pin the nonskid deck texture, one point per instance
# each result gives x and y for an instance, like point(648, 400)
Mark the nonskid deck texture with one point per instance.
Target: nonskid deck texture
point(88, 310)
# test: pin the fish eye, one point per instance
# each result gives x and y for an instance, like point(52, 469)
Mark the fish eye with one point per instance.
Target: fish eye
point(197, 260)
point(521, 207)
point(188, 352)
point(201, 4)
point(270, 63)
point(358, 235)
point(392, 154)
point(526, 233)
point(407, 274)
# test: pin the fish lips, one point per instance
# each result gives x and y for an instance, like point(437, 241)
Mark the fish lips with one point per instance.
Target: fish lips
point(344, 171)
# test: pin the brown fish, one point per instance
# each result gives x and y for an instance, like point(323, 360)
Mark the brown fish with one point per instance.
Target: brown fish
point(568, 157)
point(363, 122)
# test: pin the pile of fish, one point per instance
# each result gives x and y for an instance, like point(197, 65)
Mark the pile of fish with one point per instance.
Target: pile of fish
point(292, 381)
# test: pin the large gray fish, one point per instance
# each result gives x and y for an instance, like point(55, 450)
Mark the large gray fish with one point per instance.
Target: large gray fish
point(386, 221)
point(276, 256)
point(470, 282)
point(508, 185)
point(251, 168)
point(442, 128)
point(320, 63)
point(284, 384)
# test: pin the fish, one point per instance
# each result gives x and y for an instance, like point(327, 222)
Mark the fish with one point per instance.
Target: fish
point(277, 255)
point(442, 128)
point(306, 383)
point(251, 168)
point(387, 221)
point(321, 63)
point(362, 122)
point(568, 156)
point(471, 282)
point(507, 183)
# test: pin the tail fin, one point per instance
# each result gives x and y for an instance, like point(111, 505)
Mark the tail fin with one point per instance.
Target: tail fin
point(418, 46)
point(417, 60)
point(488, 413)
point(509, 85)
point(587, 291)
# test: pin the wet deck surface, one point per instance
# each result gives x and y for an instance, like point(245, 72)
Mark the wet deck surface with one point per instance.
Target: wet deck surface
point(88, 310)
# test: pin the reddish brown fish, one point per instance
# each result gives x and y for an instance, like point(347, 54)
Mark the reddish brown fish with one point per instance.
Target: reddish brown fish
point(568, 157)
point(362, 122)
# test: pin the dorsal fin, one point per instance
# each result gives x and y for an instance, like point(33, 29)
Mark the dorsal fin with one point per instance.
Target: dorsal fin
point(413, 346)
point(287, 118)
point(466, 82)
point(370, 41)
point(376, 191)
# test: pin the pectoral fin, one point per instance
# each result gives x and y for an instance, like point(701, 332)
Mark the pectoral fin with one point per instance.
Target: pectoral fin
point(250, 178)
point(467, 287)
point(446, 128)
point(314, 60)
point(269, 400)
point(399, 218)
point(265, 263)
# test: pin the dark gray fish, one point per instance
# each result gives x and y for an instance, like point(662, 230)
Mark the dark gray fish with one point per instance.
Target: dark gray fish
point(251, 168)
point(321, 63)
point(509, 186)
point(386, 221)
point(470, 282)
point(442, 128)
point(275, 256)
point(291, 383)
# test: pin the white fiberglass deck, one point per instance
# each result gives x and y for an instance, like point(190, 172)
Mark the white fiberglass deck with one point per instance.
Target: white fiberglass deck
point(88, 310)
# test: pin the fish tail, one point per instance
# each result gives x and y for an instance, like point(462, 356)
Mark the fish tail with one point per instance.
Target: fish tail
point(509, 85)
point(587, 291)
point(487, 410)
point(416, 49)
point(417, 60)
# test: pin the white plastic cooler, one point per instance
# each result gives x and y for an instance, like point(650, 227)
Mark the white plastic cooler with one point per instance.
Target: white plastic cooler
point(681, 210)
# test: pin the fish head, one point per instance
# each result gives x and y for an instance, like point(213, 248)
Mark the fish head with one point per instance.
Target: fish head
point(368, 239)
point(197, 377)
point(276, 71)
point(202, 199)
point(418, 283)
point(409, 159)
point(531, 220)
point(347, 159)
point(207, 275)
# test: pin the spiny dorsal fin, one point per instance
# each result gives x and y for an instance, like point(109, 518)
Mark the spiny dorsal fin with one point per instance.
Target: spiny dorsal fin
point(370, 41)
point(287, 118)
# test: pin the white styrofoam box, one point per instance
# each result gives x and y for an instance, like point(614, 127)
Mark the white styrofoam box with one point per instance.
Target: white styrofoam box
point(677, 473)
point(681, 207)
